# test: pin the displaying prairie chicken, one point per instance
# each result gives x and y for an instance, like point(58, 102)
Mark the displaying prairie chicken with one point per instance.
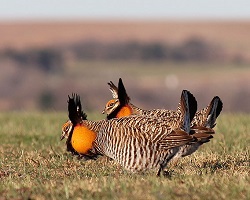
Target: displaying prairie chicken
point(121, 106)
point(136, 142)
point(203, 121)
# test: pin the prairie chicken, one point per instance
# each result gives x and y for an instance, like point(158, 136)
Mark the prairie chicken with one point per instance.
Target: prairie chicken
point(121, 106)
point(172, 118)
point(203, 121)
point(136, 142)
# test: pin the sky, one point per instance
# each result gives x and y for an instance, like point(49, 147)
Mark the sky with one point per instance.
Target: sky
point(123, 9)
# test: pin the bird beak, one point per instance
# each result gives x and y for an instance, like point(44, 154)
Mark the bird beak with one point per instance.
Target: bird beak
point(103, 112)
point(62, 136)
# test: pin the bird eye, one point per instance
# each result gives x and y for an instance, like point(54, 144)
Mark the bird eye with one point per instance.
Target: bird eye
point(111, 104)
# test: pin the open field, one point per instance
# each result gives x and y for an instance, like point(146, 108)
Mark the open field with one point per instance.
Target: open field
point(34, 165)
point(233, 35)
point(149, 84)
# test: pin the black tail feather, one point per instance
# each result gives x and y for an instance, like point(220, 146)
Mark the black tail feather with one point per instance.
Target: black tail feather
point(216, 108)
point(192, 103)
point(188, 107)
point(219, 106)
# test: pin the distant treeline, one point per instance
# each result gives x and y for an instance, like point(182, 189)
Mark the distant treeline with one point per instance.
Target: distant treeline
point(52, 58)
point(48, 59)
point(193, 49)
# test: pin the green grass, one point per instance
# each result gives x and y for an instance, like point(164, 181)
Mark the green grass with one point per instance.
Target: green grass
point(35, 165)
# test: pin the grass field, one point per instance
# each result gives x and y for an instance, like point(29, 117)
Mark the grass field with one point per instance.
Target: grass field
point(35, 165)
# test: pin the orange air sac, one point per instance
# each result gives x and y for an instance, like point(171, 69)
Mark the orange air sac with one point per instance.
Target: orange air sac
point(82, 139)
point(125, 111)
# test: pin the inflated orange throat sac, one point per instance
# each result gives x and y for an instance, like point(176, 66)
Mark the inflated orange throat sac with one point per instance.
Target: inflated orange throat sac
point(82, 139)
point(125, 111)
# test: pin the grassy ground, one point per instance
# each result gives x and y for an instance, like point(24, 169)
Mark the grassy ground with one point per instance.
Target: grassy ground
point(34, 165)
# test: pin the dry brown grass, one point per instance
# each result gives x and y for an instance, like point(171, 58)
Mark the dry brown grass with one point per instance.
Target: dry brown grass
point(34, 165)
point(233, 36)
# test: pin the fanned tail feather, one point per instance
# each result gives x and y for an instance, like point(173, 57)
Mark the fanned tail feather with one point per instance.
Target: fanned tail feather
point(214, 111)
point(187, 108)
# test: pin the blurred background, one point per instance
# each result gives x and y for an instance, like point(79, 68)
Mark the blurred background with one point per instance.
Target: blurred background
point(49, 49)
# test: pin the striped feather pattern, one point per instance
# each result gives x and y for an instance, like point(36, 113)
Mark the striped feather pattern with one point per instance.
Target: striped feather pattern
point(137, 142)
point(202, 121)
point(174, 118)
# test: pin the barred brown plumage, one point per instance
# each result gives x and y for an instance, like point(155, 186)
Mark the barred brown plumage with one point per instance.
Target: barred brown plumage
point(121, 101)
point(205, 117)
point(201, 125)
point(66, 129)
point(136, 142)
